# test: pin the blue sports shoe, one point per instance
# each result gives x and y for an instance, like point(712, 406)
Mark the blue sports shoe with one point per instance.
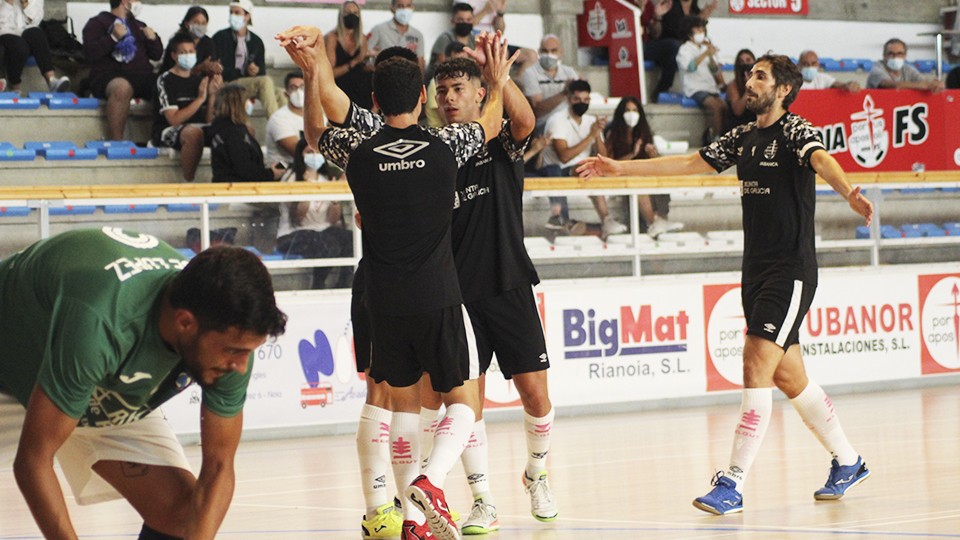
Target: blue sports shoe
point(841, 479)
point(722, 499)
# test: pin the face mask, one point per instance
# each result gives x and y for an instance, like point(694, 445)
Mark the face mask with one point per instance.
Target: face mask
point(809, 73)
point(136, 8)
point(351, 21)
point(549, 61)
point(187, 60)
point(580, 109)
point(296, 98)
point(314, 161)
point(746, 69)
point(632, 118)
point(249, 108)
point(403, 16)
point(463, 29)
point(699, 37)
point(238, 22)
point(197, 30)
point(896, 64)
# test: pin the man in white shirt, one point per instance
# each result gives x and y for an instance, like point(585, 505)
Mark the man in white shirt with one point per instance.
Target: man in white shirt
point(545, 83)
point(895, 72)
point(575, 136)
point(700, 73)
point(814, 79)
point(397, 32)
point(285, 125)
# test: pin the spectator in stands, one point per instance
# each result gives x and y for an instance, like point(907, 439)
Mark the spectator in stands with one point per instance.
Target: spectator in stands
point(545, 83)
point(21, 37)
point(737, 91)
point(575, 135)
point(194, 23)
point(895, 72)
point(814, 79)
point(701, 74)
point(628, 136)
point(677, 10)
point(658, 49)
point(488, 15)
point(242, 55)
point(953, 78)
point(461, 29)
point(119, 48)
point(397, 32)
point(235, 154)
point(349, 56)
point(285, 127)
point(432, 109)
point(184, 105)
point(315, 229)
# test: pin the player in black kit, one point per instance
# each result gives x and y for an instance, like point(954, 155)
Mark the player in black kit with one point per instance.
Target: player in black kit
point(776, 158)
point(403, 178)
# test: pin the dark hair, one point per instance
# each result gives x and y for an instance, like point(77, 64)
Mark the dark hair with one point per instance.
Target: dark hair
point(622, 137)
point(688, 24)
point(395, 52)
point(177, 39)
point(396, 85)
point(578, 85)
point(114, 4)
point(228, 287)
point(292, 75)
point(457, 67)
point(785, 73)
point(453, 47)
point(461, 6)
point(191, 13)
point(739, 76)
point(891, 41)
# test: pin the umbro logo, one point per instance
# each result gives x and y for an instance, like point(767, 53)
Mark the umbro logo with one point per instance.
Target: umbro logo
point(401, 149)
point(770, 328)
point(543, 358)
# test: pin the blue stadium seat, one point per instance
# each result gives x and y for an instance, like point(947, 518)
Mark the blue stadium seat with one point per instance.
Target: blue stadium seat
point(689, 102)
point(290, 256)
point(670, 98)
point(40, 146)
point(8, 152)
point(130, 208)
point(931, 231)
point(101, 146)
point(45, 97)
point(886, 231)
point(14, 211)
point(917, 190)
point(925, 66)
point(911, 230)
point(62, 154)
point(12, 100)
point(73, 102)
point(31, 61)
point(830, 64)
point(132, 152)
point(849, 64)
point(187, 253)
point(188, 207)
point(649, 64)
point(866, 64)
point(952, 229)
point(71, 210)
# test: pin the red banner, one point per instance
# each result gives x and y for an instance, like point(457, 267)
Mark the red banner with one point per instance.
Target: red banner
point(886, 130)
point(616, 25)
point(769, 7)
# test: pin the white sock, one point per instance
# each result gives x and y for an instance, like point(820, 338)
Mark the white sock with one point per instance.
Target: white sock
point(476, 464)
point(453, 432)
point(815, 408)
point(373, 450)
point(755, 410)
point(538, 441)
point(405, 457)
point(428, 425)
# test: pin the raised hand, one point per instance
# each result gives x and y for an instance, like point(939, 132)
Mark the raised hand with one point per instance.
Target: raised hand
point(598, 166)
point(497, 68)
point(301, 36)
point(860, 204)
point(661, 8)
point(149, 33)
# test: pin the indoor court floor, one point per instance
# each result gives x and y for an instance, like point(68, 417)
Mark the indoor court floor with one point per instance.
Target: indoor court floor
point(629, 475)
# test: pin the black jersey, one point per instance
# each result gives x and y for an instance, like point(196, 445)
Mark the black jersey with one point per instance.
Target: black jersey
point(176, 92)
point(403, 183)
point(777, 195)
point(488, 221)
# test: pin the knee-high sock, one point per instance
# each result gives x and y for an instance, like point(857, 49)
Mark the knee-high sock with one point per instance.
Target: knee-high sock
point(538, 441)
point(816, 410)
point(405, 457)
point(453, 432)
point(373, 450)
point(476, 463)
point(755, 410)
point(428, 425)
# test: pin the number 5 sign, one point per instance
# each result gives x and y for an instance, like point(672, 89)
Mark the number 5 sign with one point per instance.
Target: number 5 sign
point(769, 7)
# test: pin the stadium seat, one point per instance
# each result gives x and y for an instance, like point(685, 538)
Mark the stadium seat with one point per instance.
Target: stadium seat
point(45, 97)
point(187, 252)
point(70, 210)
point(9, 152)
point(669, 98)
point(952, 229)
point(130, 208)
point(911, 230)
point(925, 66)
point(830, 64)
point(188, 207)
point(649, 65)
point(14, 211)
point(690, 103)
point(102, 146)
point(60, 154)
point(849, 64)
point(73, 102)
point(132, 152)
point(12, 100)
point(866, 64)
point(886, 231)
point(908, 191)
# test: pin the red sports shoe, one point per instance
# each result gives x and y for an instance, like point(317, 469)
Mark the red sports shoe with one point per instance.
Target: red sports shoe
point(430, 500)
point(412, 531)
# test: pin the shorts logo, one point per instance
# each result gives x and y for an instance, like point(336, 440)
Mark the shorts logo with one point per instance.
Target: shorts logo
point(769, 328)
point(543, 358)
point(401, 149)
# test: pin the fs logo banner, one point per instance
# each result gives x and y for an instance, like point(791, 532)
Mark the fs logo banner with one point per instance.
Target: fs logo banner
point(939, 323)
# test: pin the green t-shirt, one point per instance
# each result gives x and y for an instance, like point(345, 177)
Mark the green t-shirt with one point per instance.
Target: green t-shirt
point(79, 316)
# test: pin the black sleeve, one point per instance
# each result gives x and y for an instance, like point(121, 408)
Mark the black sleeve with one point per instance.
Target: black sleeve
point(242, 153)
point(258, 56)
point(225, 49)
point(722, 153)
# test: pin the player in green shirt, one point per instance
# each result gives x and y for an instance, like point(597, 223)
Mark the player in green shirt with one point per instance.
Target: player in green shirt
point(102, 326)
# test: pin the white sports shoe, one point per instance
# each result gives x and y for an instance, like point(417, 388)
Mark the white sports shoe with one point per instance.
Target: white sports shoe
point(661, 225)
point(542, 505)
point(60, 84)
point(612, 226)
point(482, 520)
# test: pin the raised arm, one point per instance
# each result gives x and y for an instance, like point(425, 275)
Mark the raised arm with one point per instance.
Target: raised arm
point(828, 169)
point(496, 73)
point(306, 48)
point(219, 437)
point(662, 166)
point(522, 119)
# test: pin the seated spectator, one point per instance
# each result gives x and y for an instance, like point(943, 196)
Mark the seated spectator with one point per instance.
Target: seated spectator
point(119, 48)
point(737, 91)
point(545, 83)
point(397, 32)
point(286, 125)
point(953, 78)
point(814, 79)
point(235, 154)
point(658, 48)
point(488, 15)
point(461, 29)
point(677, 10)
point(351, 60)
point(701, 74)
point(184, 105)
point(628, 136)
point(242, 55)
point(20, 38)
point(895, 72)
point(575, 135)
point(315, 229)
point(194, 24)
point(431, 109)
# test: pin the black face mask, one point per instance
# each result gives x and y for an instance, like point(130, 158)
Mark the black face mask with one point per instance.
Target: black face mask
point(463, 29)
point(351, 21)
point(580, 109)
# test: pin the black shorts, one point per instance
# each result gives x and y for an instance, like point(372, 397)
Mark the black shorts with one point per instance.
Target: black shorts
point(362, 340)
point(775, 309)
point(143, 84)
point(509, 326)
point(434, 342)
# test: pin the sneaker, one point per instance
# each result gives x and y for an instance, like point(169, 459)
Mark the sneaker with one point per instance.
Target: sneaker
point(842, 478)
point(661, 225)
point(722, 499)
point(430, 500)
point(561, 224)
point(385, 523)
point(60, 84)
point(412, 531)
point(542, 505)
point(482, 520)
point(612, 226)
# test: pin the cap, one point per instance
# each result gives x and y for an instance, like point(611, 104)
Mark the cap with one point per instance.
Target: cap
point(246, 5)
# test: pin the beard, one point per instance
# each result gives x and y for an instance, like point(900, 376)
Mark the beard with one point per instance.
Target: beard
point(761, 103)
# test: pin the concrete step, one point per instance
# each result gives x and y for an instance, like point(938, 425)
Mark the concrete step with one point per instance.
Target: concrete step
point(40, 172)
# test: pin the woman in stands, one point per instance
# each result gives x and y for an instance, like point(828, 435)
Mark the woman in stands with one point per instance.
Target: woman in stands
point(737, 91)
point(628, 136)
point(194, 23)
point(347, 49)
point(315, 229)
point(701, 75)
point(235, 154)
point(21, 38)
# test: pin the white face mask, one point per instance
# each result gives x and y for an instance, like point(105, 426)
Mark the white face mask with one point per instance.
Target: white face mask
point(249, 108)
point(896, 64)
point(187, 60)
point(403, 16)
point(632, 118)
point(699, 37)
point(314, 161)
point(809, 73)
point(549, 61)
point(136, 8)
point(238, 22)
point(296, 98)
